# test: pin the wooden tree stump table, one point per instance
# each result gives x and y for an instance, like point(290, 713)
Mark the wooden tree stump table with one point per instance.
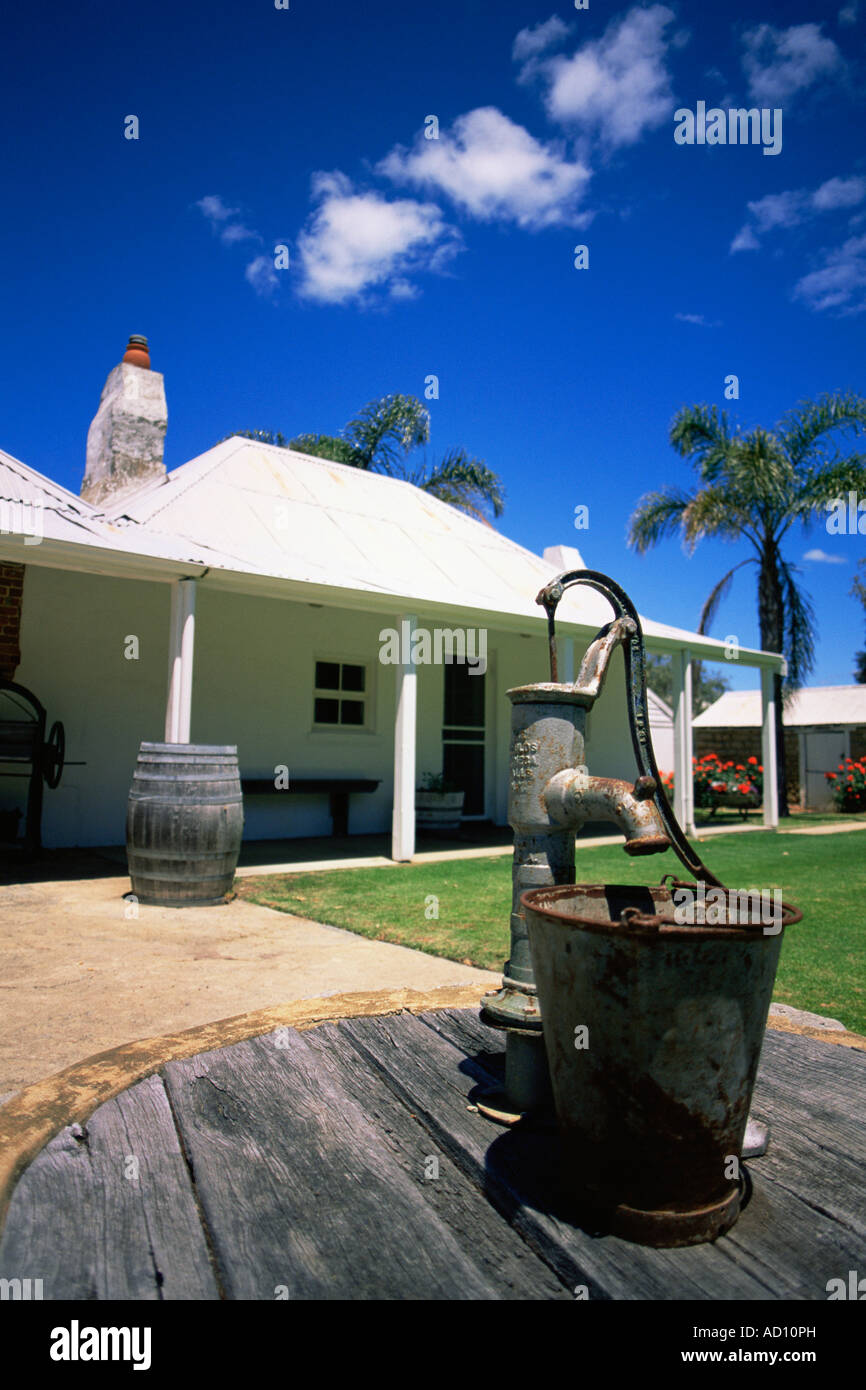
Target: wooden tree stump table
point(346, 1161)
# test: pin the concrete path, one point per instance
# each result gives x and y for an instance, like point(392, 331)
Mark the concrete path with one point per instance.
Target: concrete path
point(80, 974)
point(824, 829)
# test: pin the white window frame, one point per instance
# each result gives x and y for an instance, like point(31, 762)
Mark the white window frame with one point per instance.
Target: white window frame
point(365, 696)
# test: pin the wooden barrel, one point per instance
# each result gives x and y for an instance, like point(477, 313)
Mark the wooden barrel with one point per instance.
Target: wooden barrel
point(184, 822)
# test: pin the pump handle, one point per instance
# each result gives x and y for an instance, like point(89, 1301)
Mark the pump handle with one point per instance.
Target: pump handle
point(631, 637)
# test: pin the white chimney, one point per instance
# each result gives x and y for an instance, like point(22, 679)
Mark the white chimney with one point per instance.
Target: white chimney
point(563, 557)
point(126, 438)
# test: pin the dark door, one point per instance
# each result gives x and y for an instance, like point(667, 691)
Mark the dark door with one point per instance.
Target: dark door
point(463, 734)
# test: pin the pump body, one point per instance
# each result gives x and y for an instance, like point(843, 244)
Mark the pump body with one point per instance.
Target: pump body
point(551, 794)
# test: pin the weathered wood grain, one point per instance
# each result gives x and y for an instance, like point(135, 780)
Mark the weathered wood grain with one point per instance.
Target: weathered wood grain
point(519, 1170)
point(499, 1251)
point(108, 1211)
point(463, 1027)
point(781, 1239)
point(814, 1098)
point(310, 1159)
point(302, 1198)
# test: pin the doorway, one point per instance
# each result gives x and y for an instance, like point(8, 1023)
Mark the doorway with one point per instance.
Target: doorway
point(464, 735)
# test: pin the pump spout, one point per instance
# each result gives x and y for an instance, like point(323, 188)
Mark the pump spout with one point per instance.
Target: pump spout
point(572, 797)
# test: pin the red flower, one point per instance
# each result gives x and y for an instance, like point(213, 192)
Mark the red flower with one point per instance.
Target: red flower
point(753, 762)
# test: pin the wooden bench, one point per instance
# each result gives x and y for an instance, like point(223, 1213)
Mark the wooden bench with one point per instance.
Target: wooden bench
point(338, 790)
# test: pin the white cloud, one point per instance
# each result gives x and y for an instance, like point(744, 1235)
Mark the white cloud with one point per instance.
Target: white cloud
point(780, 62)
point(355, 242)
point(700, 320)
point(840, 283)
point(777, 210)
point(794, 206)
point(219, 215)
point(616, 85)
point(848, 15)
point(236, 232)
point(821, 557)
point(839, 193)
point(530, 42)
point(745, 240)
point(493, 168)
point(262, 275)
point(214, 209)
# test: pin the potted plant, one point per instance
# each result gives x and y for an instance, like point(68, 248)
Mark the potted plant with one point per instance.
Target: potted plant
point(739, 786)
point(438, 804)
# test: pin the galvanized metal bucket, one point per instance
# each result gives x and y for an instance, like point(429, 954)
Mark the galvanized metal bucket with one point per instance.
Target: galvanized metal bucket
point(654, 1013)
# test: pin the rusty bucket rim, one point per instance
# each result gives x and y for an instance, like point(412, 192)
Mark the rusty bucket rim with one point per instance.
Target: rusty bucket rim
point(650, 928)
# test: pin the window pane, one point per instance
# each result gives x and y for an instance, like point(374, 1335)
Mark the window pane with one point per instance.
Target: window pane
point(353, 678)
point(327, 711)
point(351, 711)
point(328, 676)
point(464, 697)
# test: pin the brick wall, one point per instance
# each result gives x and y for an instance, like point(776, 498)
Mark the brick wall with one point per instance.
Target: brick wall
point(737, 745)
point(11, 591)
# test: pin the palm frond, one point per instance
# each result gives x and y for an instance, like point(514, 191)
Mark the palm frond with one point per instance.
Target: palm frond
point(823, 483)
point(261, 437)
point(799, 628)
point(463, 482)
point(711, 607)
point(701, 433)
point(326, 446)
point(802, 428)
point(385, 431)
point(858, 586)
point(656, 515)
point(714, 511)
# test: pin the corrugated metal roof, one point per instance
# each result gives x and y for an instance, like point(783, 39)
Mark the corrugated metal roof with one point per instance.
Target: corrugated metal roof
point(812, 705)
point(33, 505)
point(38, 509)
point(251, 509)
point(275, 512)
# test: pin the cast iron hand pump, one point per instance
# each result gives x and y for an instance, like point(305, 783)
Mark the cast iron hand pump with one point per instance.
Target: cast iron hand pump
point(624, 630)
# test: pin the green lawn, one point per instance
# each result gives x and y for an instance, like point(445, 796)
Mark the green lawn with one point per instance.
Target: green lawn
point(823, 966)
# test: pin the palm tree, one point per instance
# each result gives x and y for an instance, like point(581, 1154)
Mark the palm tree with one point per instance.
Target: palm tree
point(379, 440)
point(858, 590)
point(755, 487)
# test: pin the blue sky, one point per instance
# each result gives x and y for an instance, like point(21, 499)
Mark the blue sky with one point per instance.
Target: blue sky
point(453, 257)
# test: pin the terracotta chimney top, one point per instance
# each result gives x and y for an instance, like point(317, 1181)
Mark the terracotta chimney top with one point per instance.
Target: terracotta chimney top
point(137, 353)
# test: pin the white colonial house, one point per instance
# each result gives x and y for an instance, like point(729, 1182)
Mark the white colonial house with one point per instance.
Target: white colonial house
point(249, 597)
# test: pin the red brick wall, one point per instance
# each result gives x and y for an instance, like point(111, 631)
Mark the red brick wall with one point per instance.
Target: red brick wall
point(737, 745)
point(11, 591)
